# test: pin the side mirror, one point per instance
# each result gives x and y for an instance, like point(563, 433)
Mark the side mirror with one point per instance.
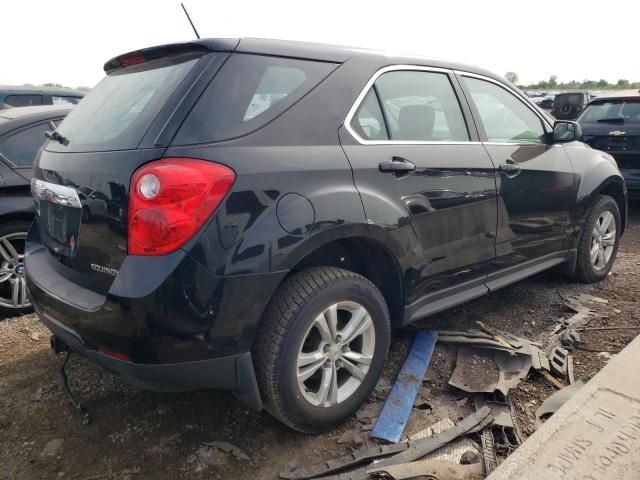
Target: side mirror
point(565, 131)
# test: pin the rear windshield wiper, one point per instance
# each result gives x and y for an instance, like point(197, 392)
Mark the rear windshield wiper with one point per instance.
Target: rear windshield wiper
point(611, 120)
point(54, 135)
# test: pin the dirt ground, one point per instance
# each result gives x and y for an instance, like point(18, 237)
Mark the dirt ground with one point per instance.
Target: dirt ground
point(142, 435)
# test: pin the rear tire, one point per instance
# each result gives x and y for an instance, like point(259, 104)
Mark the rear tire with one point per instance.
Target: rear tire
point(302, 331)
point(599, 240)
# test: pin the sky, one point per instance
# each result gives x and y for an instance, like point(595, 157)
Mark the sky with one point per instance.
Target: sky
point(68, 41)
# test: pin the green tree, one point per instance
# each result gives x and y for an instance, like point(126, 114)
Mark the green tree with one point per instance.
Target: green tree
point(553, 81)
point(622, 83)
point(511, 77)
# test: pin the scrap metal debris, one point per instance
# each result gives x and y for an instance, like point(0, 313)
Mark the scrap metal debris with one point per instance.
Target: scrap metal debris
point(454, 451)
point(488, 370)
point(432, 469)
point(556, 400)
point(226, 447)
point(397, 407)
point(395, 454)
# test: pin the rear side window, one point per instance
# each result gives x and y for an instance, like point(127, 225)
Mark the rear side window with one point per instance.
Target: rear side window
point(21, 147)
point(417, 106)
point(369, 121)
point(248, 92)
point(116, 114)
point(23, 100)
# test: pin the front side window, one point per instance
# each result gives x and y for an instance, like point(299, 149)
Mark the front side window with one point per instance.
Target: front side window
point(421, 106)
point(20, 148)
point(504, 117)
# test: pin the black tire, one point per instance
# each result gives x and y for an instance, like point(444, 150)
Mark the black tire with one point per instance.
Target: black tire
point(585, 270)
point(10, 228)
point(284, 326)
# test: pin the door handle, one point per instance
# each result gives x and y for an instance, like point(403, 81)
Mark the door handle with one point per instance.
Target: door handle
point(397, 165)
point(511, 168)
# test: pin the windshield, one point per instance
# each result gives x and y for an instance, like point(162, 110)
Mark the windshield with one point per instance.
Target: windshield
point(614, 111)
point(116, 114)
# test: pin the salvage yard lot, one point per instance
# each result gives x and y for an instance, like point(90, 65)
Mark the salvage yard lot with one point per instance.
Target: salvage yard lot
point(143, 435)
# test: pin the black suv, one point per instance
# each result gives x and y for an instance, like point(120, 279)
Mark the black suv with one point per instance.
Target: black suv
point(277, 207)
point(611, 123)
point(569, 105)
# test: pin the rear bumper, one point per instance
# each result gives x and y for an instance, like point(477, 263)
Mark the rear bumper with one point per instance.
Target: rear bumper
point(233, 373)
point(181, 327)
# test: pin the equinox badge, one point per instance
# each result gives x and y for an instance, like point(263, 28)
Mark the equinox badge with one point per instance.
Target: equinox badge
point(103, 269)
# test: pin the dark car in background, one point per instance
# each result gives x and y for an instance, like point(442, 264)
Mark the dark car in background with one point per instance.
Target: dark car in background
point(21, 135)
point(569, 105)
point(24, 96)
point(611, 123)
point(274, 208)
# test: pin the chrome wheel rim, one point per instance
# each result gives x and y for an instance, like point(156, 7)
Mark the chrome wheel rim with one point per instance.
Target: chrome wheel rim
point(335, 355)
point(603, 240)
point(13, 286)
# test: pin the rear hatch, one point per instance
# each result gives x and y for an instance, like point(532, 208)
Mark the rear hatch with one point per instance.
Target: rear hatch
point(81, 180)
point(613, 126)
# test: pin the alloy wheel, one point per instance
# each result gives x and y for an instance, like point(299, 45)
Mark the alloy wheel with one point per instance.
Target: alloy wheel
point(13, 286)
point(335, 354)
point(603, 240)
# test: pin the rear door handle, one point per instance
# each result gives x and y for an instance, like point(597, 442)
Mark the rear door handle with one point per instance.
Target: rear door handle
point(511, 168)
point(397, 165)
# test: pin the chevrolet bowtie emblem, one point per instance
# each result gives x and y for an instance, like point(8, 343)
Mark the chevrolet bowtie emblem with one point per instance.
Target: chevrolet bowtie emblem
point(616, 133)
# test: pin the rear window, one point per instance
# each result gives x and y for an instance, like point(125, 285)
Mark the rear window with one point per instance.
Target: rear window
point(614, 111)
point(248, 92)
point(116, 114)
point(574, 98)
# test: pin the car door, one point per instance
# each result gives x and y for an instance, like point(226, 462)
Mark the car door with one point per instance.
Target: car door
point(426, 181)
point(535, 181)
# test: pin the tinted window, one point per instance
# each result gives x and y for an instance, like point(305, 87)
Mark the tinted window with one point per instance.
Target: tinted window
point(421, 106)
point(116, 114)
point(20, 148)
point(615, 111)
point(23, 100)
point(57, 100)
point(574, 98)
point(248, 92)
point(504, 117)
point(368, 121)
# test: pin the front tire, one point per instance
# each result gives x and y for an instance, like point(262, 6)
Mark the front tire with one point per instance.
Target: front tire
point(599, 240)
point(321, 347)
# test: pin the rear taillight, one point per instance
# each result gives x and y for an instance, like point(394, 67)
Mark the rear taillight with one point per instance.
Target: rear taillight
point(170, 199)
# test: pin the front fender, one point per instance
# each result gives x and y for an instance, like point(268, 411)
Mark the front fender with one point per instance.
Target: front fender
point(596, 172)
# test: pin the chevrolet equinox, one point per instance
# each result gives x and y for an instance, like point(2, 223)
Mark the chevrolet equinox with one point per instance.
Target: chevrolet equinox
point(271, 209)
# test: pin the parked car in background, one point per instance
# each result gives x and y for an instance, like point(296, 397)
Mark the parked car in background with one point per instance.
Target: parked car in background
point(22, 96)
point(611, 123)
point(545, 102)
point(274, 208)
point(569, 105)
point(21, 135)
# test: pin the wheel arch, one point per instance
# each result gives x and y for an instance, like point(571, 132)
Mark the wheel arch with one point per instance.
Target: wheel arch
point(355, 250)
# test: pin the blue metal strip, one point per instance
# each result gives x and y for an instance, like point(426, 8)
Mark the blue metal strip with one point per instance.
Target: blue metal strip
point(398, 405)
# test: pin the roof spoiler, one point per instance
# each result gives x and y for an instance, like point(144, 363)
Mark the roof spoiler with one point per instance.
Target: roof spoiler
point(147, 54)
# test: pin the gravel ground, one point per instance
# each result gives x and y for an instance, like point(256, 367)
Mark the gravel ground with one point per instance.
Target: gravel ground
point(142, 435)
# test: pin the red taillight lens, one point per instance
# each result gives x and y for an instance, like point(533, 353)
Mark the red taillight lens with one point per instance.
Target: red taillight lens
point(169, 201)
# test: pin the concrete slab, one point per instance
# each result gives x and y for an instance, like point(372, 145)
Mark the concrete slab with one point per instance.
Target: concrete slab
point(594, 436)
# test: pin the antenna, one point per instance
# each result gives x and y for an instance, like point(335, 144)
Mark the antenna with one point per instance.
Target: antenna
point(189, 18)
